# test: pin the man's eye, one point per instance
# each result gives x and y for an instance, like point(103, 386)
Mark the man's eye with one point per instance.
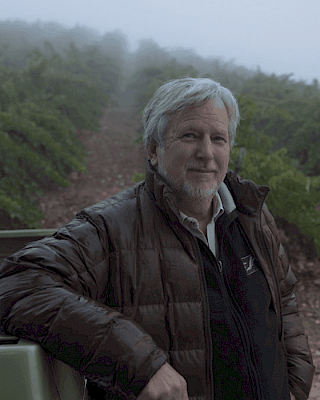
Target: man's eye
point(189, 135)
point(218, 138)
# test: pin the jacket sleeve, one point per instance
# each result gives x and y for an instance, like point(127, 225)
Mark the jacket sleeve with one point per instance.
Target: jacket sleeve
point(55, 292)
point(299, 358)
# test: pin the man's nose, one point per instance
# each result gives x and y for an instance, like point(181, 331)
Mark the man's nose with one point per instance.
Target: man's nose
point(205, 148)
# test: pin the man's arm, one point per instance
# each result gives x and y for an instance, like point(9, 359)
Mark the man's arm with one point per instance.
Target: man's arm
point(299, 359)
point(53, 292)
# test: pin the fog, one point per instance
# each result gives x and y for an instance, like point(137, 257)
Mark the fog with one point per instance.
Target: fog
point(280, 37)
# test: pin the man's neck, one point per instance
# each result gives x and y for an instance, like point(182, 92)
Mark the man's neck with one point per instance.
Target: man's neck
point(202, 209)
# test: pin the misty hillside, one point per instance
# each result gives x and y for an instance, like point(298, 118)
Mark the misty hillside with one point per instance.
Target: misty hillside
point(18, 39)
point(55, 81)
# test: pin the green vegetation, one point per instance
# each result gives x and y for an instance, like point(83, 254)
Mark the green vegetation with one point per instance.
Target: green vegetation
point(293, 196)
point(289, 112)
point(44, 97)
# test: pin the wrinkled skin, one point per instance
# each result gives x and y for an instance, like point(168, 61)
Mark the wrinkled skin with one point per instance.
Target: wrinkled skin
point(195, 157)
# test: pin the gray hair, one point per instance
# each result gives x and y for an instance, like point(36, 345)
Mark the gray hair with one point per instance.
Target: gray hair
point(177, 95)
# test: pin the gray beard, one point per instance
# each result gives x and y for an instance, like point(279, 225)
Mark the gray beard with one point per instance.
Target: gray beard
point(186, 191)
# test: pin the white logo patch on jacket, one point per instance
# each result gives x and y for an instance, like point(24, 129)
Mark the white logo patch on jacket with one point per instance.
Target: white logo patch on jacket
point(249, 264)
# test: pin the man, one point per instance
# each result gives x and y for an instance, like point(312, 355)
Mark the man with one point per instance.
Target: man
point(177, 288)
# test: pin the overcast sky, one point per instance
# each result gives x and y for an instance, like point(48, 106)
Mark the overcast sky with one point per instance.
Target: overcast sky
point(280, 36)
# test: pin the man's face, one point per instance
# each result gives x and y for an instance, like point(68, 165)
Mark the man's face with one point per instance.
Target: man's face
point(195, 155)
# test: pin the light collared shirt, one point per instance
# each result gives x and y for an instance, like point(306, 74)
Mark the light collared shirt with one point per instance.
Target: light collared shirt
point(225, 204)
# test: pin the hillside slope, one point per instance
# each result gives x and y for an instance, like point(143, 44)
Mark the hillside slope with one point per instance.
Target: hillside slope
point(112, 160)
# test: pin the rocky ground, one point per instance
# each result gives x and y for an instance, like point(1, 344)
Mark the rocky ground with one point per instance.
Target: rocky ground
point(113, 159)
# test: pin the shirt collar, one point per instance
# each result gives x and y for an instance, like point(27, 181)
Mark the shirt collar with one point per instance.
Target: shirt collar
point(225, 203)
point(220, 209)
point(226, 198)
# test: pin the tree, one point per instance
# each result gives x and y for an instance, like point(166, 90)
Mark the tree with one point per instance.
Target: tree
point(293, 195)
point(41, 105)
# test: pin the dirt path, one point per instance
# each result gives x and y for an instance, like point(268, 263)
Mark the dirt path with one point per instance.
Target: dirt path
point(112, 161)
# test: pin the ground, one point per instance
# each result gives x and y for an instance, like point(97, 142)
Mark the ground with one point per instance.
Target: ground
point(113, 159)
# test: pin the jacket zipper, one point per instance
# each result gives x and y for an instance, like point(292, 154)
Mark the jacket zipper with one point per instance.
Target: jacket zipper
point(207, 319)
point(220, 267)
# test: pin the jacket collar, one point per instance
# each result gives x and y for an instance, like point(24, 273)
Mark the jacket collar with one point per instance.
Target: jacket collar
point(248, 196)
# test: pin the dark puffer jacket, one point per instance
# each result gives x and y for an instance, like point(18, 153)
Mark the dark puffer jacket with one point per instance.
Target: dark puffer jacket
point(119, 291)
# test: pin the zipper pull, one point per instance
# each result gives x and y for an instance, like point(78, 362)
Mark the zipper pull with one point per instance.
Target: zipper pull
point(84, 396)
point(220, 266)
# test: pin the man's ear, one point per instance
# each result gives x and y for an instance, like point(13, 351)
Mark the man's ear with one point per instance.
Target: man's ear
point(153, 153)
